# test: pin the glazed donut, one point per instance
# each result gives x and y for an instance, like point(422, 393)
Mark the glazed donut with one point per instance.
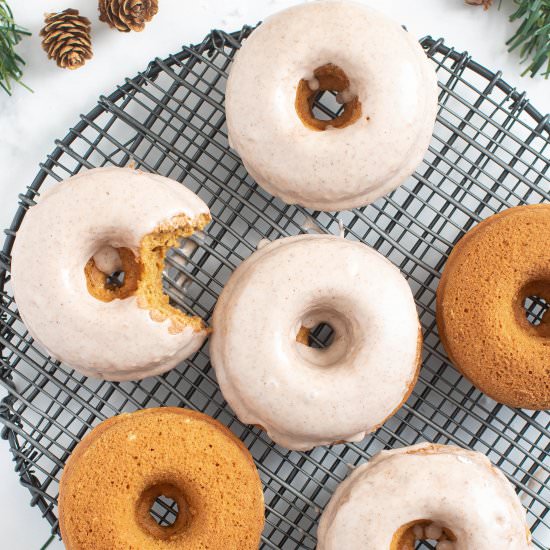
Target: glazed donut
point(124, 219)
point(423, 492)
point(303, 396)
point(384, 79)
point(480, 315)
point(116, 472)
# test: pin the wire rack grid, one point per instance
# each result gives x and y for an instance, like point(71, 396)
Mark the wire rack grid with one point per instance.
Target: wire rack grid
point(489, 152)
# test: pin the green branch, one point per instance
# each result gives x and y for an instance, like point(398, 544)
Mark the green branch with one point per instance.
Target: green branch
point(11, 64)
point(533, 35)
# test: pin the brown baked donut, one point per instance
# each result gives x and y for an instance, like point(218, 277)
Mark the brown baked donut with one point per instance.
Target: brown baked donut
point(118, 470)
point(480, 314)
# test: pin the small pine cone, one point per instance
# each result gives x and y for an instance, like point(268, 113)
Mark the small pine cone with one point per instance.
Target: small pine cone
point(66, 38)
point(127, 15)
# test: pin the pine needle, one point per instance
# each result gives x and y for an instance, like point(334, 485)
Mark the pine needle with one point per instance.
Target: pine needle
point(532, 37)
point(11, 64)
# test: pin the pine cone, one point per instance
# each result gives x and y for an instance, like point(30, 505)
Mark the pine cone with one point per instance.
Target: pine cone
point(66, 38)
point(127, 15)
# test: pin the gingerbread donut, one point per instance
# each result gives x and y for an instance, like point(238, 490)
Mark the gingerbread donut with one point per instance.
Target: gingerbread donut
point(118, 470)
point(81, 231)
point(480, 315)
point(384, 80)
point(423, 492)
point(303, 396)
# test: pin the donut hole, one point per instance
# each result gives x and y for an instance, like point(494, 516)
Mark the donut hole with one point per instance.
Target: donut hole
point(326, 105)
point(162, 510)
point(115, 279)
point(112, 273)
point(429, 544)
point(326, 100)
point(320, 336)
point(532, 307)
point(423, 534)
point(535, 309)
point(325, 336)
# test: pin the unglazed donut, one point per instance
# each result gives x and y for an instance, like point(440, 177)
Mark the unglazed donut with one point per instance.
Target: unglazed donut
point(124, 219)
point(480, 315)
point(425, 492)
point(118, 470)
point(385, 80)
point(300, 395)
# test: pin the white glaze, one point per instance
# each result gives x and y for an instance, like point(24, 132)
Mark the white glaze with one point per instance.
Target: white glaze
point(470, 497)
point(340, 168)
point(73, 221)
point(304, 396)
point(107, 260)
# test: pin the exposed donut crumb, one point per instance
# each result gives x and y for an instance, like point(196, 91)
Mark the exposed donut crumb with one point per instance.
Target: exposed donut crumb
point(153, 249)
point(143, 273)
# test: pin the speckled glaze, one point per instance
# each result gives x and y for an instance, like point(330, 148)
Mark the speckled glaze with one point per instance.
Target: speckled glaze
point(338, 168)
point(455, 488)
point(71, 222)
point(303, 396)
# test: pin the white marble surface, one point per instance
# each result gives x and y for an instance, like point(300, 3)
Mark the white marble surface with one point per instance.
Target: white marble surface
point(29, 123)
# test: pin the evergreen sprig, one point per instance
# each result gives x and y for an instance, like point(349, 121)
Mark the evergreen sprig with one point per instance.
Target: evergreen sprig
point(11, 64)
point(533, 35)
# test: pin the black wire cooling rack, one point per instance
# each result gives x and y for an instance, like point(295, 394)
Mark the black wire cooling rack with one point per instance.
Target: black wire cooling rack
point(489, 152)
